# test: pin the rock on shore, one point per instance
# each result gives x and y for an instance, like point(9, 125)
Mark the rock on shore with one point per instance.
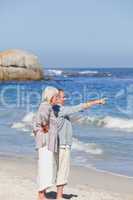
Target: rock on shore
point(16, 64)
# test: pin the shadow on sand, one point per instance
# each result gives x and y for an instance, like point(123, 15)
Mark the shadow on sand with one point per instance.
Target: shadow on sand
point(52, 195)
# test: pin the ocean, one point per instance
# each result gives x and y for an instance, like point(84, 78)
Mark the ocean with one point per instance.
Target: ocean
point(102, 135)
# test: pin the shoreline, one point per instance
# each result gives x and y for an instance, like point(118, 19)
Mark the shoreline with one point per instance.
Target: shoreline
point(96, 177)
point(18, 176)
point(109, 172)
point(16, 155)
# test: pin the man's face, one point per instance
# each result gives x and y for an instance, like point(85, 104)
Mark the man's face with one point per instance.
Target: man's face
point(61, 98)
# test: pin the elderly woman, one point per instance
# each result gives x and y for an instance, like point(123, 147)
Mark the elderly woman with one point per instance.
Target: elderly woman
point(46, 142)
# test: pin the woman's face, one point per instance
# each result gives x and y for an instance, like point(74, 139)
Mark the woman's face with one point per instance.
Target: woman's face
point(54, 100)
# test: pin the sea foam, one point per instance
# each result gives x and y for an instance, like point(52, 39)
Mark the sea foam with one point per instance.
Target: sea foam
point(91, 148)
point(25, 124)
point(122, 124)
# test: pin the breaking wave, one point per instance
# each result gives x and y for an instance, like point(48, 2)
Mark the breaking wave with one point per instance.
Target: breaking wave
point(88, 72)
point(121, 124)
point(25, 124)
point(116, 123)
point(84, 73)
point(90, 148)
point(53, 72)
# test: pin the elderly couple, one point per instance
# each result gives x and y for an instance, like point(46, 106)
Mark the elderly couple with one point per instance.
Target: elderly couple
point(53, 133)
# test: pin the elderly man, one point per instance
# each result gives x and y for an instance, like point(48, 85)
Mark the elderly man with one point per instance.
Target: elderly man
point(64, 130)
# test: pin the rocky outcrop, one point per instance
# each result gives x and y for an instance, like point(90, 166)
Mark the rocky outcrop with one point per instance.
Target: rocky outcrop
point(17, 64)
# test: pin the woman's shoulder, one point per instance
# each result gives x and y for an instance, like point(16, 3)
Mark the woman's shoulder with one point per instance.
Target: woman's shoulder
point(45, 106)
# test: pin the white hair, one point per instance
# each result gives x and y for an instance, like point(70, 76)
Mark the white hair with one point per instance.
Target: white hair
point(48, 93)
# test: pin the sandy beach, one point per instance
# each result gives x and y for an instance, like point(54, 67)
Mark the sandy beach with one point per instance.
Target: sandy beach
point(18, 181)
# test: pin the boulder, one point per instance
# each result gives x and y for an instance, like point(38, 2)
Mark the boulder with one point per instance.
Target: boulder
point(16, 64)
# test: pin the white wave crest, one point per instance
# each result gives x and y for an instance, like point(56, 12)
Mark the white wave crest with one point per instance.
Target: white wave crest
point(109, 122)
point(28, 118)
point(86, 147)
point(25, 124)
point(18, 125)
point(88, 72)
point(118, 123)
point(54, 72)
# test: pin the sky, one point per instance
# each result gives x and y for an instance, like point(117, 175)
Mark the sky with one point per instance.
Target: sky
point(70, 33)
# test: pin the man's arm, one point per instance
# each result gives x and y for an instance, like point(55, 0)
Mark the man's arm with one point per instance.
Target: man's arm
point(69, 110)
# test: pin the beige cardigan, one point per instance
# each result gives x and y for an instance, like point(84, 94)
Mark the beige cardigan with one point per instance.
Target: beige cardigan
point(45, 115)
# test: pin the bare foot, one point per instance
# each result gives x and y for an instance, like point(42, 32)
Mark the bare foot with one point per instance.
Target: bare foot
point(42, 196)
